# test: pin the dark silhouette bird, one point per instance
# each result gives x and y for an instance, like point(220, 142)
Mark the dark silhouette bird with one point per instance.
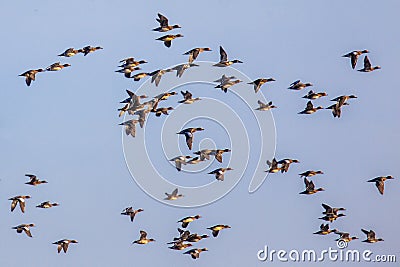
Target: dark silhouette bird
point(324, 230)
point(310, 188)
point(354, 56)
point(90, 49)
point(195, 253)
point(371, 236)
point(259, 82)
point(380, 182)
point(63, 244)
point(367, 66)
point(30, 75)
point(224, 62)
point(188, 133)
point(131, 212)
point(164, 27)
point(34, 180)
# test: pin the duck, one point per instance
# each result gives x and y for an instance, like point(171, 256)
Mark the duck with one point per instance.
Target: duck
point(18, 200)
point(367, 66)
point(310, 188)
point(180, 69)
point(217, 153)
point(188, 132)
point(70, 52)
point(265, 107)
point(185, 221)
point(204, 153)
point(131, 62)
point(57, 66)
point(310, 109)
point(195, 253)
point(195, 160)
point(131, 212)
point(165, 96)
point(224, 62)
point(63, 244)
point(123, 110)
point(196, 238)
point(194, 53)
point(128, 70)
point(188, 98)
point(132, 98)
point(139, 76)
point(142, 116)
point(143, 239)
point(310, 173)
point(216, 228)
point(345, 236)
point(354, 56)
point(371, 236)
point(164, 27)
point(220, 173)
point(324, 230)
point(167, 39)
point(285, 164)
point(336, 109)
point(183, 235)
point(47, 205)
point(179, 160)
point(341, 100)
point(259, 82)
point(157, 74)
point(90, 49)
point(34, 180)
point(130, 127)
point(30, 75)
point(25, 228)
point(298, 85)
point(332, 217)
point(313, 96)
point(380, 182)
point(224, 79)
point(163, 110)
point(174, 195)
point(224, 86)
point(273, 166)
point(331, 211)
point(180, 245)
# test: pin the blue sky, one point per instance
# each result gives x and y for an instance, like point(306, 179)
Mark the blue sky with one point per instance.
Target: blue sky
point(64, 128)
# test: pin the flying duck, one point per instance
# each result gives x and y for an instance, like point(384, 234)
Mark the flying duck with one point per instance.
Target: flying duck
point(167, 39)
point(34, 180)
point(25, 228)
point(174, 195)
point(298, 85)
point(354, 56)
point(30, 75)
point(310, 188)
point(367, 66)
point(188, 132)
point(310, 109)
point(220, 172)
point(224, 62)
point(380, 182)
point(194, 53)
point(259, 82)
point(63, 244)
point(185, 221)
point(131, 212)
point(164, 27)
point(18, 200)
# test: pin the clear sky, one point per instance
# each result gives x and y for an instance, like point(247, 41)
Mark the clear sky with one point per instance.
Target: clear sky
point(64, 128)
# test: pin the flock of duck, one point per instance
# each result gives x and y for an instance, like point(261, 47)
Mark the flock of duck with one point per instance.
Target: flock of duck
point(132, 105)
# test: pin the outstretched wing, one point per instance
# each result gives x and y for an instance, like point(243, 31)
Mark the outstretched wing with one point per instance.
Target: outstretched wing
point(223, 55)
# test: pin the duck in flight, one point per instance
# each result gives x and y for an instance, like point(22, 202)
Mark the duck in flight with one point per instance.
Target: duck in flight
point(130, 127)
point(34, 180)
point(224, 62)
point(188, 132)
point(265, 107)
point(220, 173)
point(179, 160)
point(131, 212)
point(310, 188)
point(167, 39)
point(367, 66)
point(47, 205)
point(89, 49)
point(354, 56)
point(313, 96)
point(174, 195)
point(185, 221)
point(371, 236)
point(188, 98)
point(324, 230)
point(259, 82)
point(310, 109)
point(18, 200)
point(194, 53)
point(143, 240)
point(63, 244)
point(216, 228)
point(298, 85)
point(24, 228)
point(195, 253)
point(380, 182)
point(30, 75)
point(70, 52)
point(164, 26)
